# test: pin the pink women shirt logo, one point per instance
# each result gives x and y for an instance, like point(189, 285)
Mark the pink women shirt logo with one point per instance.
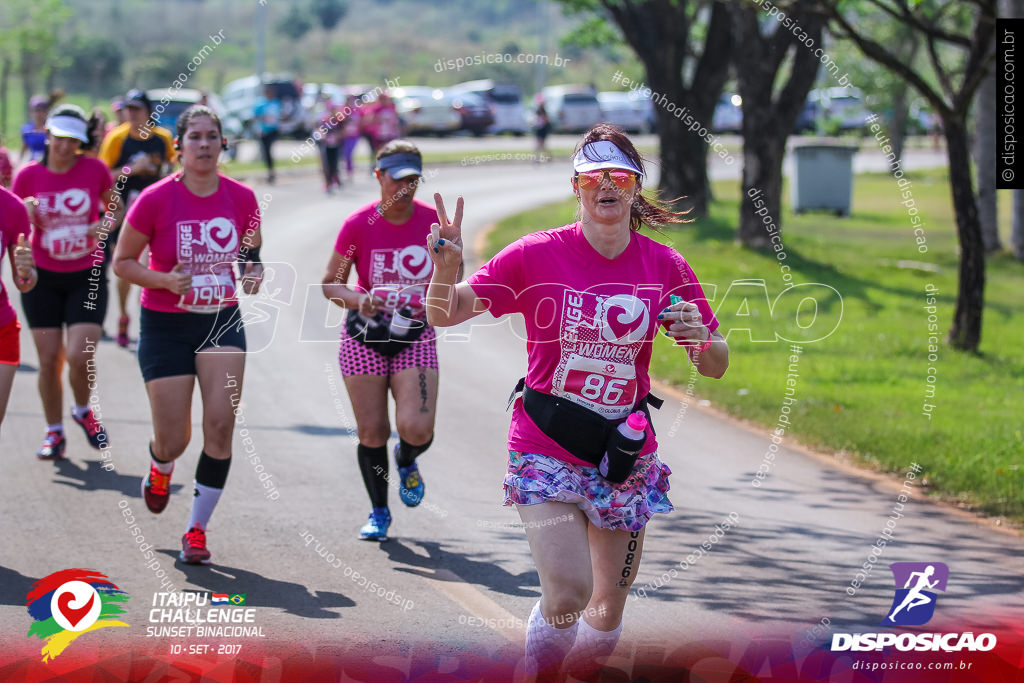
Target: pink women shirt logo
point(414, 262)
point(72, 202)
point(220, 235)
point(623, 319)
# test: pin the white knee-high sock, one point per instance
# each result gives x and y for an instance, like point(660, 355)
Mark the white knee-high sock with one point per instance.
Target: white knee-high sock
point(203, 503)
point(545, 644)
point(590, 645)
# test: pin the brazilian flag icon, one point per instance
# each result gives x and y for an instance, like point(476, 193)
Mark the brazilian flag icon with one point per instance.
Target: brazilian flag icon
point(237, 598)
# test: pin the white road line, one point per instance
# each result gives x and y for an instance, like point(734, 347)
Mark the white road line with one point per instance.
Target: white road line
point(478, 605)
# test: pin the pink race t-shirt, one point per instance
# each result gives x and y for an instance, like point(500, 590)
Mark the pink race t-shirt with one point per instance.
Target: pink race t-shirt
point(205, 233)
point(13, 222)
point(590, 321)
point(391, 260)
point(69, 203)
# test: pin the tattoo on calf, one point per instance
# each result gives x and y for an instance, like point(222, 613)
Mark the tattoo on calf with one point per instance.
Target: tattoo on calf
point(423, 393)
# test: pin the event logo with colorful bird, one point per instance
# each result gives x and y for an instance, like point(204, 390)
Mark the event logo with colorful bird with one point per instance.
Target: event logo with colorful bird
point(69, 603)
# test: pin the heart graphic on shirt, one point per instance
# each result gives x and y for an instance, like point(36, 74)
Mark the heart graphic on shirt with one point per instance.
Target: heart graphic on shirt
point(75, 605)
point(220, 235)
point(623, 319)
point(414, 263)
point(73, 202)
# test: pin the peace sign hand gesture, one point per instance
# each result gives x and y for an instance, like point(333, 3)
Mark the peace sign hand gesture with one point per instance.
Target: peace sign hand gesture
point(444, 244)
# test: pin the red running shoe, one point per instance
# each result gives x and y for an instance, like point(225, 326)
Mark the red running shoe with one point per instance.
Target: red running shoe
point(193, 547)
point(53, 447)
point(94, 431)
point(156, 489)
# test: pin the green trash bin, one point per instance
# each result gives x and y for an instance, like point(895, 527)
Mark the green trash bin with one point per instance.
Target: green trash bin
point(822, 177)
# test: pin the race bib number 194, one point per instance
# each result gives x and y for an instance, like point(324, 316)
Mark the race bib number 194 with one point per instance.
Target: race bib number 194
point(208, 293)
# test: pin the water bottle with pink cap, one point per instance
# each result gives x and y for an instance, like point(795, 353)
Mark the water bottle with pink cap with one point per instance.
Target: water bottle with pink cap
point(624, 448)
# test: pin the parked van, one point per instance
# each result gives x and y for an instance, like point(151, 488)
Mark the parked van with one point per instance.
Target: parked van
point(572, 108)
point(505, 101)
point(240, 98)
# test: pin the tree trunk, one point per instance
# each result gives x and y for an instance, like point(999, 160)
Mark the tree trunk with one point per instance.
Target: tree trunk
point(769, 116)
point(762, 182)
point(684, 170)
point(5, 79)
point(659, 33)
point(966, 331)
point(1010, 9)
point(28, 79)
point(985, 158)
point(899, 121)
point(1017, 236)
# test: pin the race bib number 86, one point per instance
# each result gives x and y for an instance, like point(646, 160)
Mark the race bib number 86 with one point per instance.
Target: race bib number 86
point(606, 387)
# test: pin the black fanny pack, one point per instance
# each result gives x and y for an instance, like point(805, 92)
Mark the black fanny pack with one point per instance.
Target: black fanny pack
point(578, 430)
point(376, 332)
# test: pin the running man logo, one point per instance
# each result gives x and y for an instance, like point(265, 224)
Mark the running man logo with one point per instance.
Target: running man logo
point(70, 603)
point(914, 603)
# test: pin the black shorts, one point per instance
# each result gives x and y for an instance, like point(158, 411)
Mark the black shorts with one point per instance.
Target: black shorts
point(60, 299)
point(169, 342)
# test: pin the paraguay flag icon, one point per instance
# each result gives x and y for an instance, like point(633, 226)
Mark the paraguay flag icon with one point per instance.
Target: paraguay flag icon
point(69, 603)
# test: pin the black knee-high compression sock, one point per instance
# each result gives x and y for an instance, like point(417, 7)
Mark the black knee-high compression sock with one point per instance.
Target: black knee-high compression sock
point(373, 463)
point(407, 453)
point(211, 475)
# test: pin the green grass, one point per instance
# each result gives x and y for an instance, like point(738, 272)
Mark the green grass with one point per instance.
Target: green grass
point(862, 389)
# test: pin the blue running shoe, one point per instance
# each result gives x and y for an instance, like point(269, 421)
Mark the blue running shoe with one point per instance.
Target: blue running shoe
point(410, 483)
point(376, 528)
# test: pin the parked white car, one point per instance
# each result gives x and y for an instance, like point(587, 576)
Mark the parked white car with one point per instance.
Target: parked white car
point(571, 108)
point(625, 110)
point(506, 103)
point(845, 104)
point(423, 109)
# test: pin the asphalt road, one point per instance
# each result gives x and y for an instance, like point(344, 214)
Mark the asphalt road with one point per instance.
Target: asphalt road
point(459, 559)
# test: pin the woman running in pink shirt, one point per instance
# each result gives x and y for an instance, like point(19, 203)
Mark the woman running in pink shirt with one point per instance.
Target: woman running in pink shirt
point(68, 196)
point(594, 295)
point(386, 343)
point(199, 226)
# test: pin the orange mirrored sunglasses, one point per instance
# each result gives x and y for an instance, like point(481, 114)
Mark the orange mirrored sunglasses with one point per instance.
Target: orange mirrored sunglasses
point(624, 180)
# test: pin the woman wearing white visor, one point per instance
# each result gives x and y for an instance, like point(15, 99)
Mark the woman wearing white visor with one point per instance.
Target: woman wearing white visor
point(594, 295)
point(66, 194)
point(386, 344)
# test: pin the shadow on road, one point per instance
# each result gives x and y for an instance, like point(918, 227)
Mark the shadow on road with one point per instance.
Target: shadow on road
point(767, 569)
point(321, 430)
point(292, 598)
point(94, 478)
point(14, 587)
point(477, 568)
